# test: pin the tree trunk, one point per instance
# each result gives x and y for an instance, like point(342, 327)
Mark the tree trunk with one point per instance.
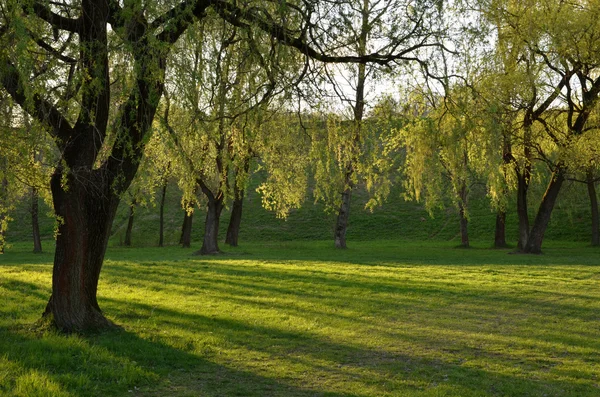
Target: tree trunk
point(132, 205)
point(161, 237)
point(341, 225)
point(522, 187)
point(210, 244)
point(536, 236)
point(186, 230)
point(233, 230)
point(500, 234)
point(462, 213)
point(37, 240)
point(3, 212)
point(591, 186)
point(87, 208)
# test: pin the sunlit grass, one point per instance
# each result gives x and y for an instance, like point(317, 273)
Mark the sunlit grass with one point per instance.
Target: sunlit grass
point(302, 319)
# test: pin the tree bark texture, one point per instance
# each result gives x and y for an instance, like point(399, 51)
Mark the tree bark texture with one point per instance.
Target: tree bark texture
point(86, 212)
point(500, 231)
point(210, 243)
point(591, 187)
point(186, 229)
point(161, 232)
point(341, 224)
point(522, 212)
point(35, 224)
point(233, 230)
point(130, 219)
point(540, 224)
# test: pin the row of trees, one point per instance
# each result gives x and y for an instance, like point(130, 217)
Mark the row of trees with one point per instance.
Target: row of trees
point(132, 93)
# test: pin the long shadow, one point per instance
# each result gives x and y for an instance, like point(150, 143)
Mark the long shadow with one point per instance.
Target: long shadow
point(326, 357)
point(231, 278)
point(120, 361)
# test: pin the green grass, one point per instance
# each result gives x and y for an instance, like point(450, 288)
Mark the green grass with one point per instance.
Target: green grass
point(384, 318)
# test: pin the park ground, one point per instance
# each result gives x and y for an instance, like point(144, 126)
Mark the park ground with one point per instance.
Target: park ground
point(383, 318)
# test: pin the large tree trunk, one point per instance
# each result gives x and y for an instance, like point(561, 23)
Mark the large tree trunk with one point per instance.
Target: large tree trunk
point(161, 236)
point(462, 213)
point(37, 240)
point(129, 229)
point(536, 236)
point(87, 210)
point(210, 244)
point(591, 186)
point(500, 232)
point(233, 230)
point(186, 229)
point(341, 224)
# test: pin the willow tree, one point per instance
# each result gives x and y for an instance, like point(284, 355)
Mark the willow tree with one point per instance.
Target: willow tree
point(24, 173)
point(413, 30)
point(442, 140)
point(556, 45)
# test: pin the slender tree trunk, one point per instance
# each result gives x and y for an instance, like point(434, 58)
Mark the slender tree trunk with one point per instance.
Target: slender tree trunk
point(210, 244)
point(87, 209)
point(500, 233)
point(540, 224)
point(161, 237)
point(342, 221)
point(341, 225)
point(132, 205)
point(522, 212)
point(591, 186)
point(462, 212)
point(233, 230)
point(3, 212)
point(37, 240)
point(186, 229)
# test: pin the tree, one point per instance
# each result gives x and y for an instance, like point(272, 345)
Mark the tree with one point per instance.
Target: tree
point(442, 142)
point(367, 24)
point(23, 172)
point(556, 46)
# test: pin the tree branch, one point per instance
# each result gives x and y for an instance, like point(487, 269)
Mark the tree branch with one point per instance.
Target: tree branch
point(36, 106)
point(57, 21)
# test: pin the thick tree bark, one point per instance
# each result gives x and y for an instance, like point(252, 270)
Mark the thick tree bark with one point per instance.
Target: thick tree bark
point(210, 243)
point(161, 235)
point(500, 231)
point(233, 230)
point(35, 224)
point(186, 229)
point(87, 208)
point(129, 229)
point(341, 224)
point(462, 213)
point(540, 224)
point(591, 187)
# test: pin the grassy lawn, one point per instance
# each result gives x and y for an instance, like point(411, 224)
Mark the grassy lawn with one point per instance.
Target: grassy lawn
point(384, 318)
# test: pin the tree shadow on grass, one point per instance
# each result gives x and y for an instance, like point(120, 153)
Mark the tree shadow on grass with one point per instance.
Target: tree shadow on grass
point(164, 357)
point(117, 362)
point(381, 371)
